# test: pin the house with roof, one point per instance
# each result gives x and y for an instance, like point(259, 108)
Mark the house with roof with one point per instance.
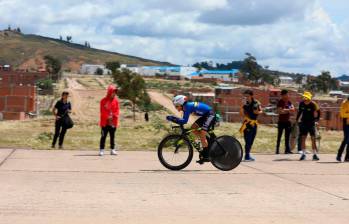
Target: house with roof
point(286, 81)
point(172, 72)
point(219, 75)
point(91, 69)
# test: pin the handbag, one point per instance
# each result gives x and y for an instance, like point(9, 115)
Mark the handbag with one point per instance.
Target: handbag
point(67, 122)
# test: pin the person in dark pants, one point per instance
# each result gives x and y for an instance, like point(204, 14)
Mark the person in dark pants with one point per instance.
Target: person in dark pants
point(109, 119)
point(344, 113)
point(250, 111)
point(146, 116)
point(62, 108)
point(284, 109)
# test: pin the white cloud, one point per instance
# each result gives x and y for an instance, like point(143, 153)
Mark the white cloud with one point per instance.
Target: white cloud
point(297, 36)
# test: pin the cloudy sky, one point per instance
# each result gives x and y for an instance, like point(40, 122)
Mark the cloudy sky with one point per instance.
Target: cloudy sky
point(291, 35)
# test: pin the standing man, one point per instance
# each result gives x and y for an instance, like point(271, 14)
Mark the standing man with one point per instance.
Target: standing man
point(344, 112)
point(308, 115)
point(109, 119)
point(62, 108)
point(284, 109)
point(249, 111)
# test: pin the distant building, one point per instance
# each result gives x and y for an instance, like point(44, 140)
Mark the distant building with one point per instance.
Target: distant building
point(5, 67)
point(286, 81)
point(91, 69)
point(344, 86)
point(171, 72)
point(132, 68)
point(338, 94)
point(221, 75)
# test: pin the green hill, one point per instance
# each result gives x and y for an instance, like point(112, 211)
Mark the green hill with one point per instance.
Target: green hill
point(26, 51)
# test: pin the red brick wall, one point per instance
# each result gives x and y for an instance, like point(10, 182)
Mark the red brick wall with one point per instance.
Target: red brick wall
point(15, 77)
point(13, 115)
point(6, 90)
point(17, 103)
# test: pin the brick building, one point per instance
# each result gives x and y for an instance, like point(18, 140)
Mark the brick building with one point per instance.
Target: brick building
point(18, 93)
point(229, 101)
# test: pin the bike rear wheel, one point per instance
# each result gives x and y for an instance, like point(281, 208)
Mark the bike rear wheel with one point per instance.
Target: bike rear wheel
point(175, 152)
point(226, 153)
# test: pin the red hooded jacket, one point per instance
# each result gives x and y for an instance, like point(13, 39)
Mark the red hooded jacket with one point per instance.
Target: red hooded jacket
point(109, 107)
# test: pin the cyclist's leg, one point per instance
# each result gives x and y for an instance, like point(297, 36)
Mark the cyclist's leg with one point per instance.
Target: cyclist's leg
point(207, 123)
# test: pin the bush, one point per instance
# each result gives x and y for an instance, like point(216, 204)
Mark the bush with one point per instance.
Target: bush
point(46, 84)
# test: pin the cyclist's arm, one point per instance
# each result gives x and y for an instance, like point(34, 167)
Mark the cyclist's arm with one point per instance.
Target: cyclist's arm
point(185, 118)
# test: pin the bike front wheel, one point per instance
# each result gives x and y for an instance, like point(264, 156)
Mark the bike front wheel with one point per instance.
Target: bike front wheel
point(175, 152)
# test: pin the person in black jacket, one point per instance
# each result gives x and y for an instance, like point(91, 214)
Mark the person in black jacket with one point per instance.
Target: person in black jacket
point(62, 108)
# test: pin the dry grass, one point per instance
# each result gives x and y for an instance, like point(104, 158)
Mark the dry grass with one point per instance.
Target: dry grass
point(139, 135)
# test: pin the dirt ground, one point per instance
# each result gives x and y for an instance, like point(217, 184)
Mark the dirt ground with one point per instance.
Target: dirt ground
point(60, 187)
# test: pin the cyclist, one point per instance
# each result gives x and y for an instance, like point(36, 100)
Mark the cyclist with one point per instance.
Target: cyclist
point(201, 125)
point(308, 115)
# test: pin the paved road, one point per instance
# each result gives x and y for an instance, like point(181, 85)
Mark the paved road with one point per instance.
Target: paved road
point(79, 187)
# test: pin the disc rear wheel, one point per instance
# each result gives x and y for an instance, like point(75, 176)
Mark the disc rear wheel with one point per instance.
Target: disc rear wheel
point(226, 153)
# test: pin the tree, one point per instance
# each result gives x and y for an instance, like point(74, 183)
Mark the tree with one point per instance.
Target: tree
point(112, 66)
point(132, 87)
point(251, 69)
point(99, 71)
point(18, 30)
point(69, 38)
point(53, 65)
point(9, 28)
point(60, 38)
point(322, 83)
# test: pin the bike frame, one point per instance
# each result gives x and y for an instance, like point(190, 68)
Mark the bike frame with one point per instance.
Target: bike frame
point(187, 134)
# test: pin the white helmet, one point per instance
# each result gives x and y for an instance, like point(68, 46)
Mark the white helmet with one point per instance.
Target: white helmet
point(179, 100)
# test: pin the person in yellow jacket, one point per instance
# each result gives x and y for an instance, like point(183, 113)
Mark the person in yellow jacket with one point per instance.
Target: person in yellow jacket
point(344, 112)
point(249, 111)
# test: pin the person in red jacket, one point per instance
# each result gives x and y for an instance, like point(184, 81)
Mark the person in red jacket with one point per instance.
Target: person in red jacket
point(109, 119)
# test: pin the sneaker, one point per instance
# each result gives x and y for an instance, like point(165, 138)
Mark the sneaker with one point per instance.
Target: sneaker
point(250, 159)
point(315, 158)
point(339, 159)
point(288, 152)
point(346, 160)
point(60, 147)
point(101, 152)
point(53, 146)
point(300, 152)
point(277, 153)
point(303, 157)
point(113, 152)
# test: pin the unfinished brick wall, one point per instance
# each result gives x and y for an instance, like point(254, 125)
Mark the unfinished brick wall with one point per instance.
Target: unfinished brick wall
point(18, 93)
point(24, 78)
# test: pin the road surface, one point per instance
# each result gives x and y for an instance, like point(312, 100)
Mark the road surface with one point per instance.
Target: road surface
point(79, 187)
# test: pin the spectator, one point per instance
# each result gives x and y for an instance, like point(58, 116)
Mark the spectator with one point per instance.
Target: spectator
point(284, 109)
point(62, 108)
point(308, 115)
point(109, 119)
point(249, 111)
point(344, 113)
point(146, 117)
